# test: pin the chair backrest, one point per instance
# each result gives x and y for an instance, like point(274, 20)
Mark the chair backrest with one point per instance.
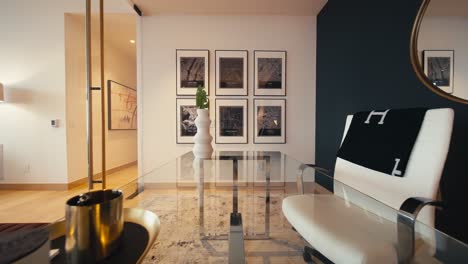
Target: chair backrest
point(422, 175)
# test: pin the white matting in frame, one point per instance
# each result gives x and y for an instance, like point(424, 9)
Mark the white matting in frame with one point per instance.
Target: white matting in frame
point(231, 121)
point(269, 121)
point(192, 71)
point(439, 68)
point(231, 72)
point(186, 113)
point(270, 73)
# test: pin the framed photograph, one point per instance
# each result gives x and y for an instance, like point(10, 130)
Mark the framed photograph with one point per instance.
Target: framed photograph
point(269, 121)
point(186, 114)
point(192, 71)
point(438, 67)
point(231, 72)
point(270, 73)
point(122, 106)
point(231, 121)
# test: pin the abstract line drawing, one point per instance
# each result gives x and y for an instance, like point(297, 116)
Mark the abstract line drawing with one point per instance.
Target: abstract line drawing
point(122, 106)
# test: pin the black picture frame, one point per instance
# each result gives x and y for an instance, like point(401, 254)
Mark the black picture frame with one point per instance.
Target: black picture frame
point(241, 91)
point(271, 140)
point(270, 54)
point(205, 53)
point(188, 140)
point(245, 137)
point(109, 105)
point(443, 54)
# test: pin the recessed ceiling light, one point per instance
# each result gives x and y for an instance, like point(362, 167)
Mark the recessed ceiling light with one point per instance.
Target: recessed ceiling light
point(132, 41)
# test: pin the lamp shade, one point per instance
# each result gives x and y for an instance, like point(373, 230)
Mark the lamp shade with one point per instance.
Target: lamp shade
point(2, 94)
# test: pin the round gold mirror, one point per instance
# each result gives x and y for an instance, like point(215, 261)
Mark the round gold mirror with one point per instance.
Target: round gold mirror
point(439, 48)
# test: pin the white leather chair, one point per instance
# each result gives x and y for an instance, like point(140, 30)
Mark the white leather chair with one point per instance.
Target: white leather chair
point(350, 226)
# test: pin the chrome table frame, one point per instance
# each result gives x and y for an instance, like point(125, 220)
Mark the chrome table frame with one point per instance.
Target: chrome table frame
point(236, 234)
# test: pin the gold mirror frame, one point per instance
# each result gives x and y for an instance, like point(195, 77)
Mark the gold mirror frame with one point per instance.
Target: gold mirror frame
point(415, 58)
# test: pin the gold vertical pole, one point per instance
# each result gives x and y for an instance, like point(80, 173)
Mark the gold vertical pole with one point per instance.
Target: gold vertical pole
point(89, 96)
point(103, 109)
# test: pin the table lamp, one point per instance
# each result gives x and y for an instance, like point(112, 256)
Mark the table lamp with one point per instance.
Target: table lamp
point(2, 96)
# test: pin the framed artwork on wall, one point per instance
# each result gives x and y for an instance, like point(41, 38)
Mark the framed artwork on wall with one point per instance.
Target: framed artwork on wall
point(439, 68)
point(269, 121)
point(192, 71)
point(186, 114)
point(270, 73)
point(231, 121)
point(122, 106)
point(231, 73)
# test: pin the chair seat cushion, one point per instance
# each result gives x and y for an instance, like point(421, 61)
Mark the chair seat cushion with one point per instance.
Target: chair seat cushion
point(344, 232)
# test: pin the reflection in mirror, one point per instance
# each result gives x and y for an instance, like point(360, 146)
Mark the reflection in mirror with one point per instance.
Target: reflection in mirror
point(443, 46)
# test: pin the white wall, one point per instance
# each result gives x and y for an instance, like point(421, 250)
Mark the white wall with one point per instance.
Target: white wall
point(162, 35)
point(448, 33)
point(120, 66)
point(32, 67)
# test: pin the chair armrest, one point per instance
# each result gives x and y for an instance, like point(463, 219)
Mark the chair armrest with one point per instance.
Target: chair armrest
point(321, 169)
point(412, 206)
point(300, 173)
point(407, 216)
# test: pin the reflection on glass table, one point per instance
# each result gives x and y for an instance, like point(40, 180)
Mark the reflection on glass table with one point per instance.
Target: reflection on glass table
point(228, 209)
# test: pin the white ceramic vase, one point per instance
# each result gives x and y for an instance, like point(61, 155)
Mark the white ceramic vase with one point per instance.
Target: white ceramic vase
point(202, 148)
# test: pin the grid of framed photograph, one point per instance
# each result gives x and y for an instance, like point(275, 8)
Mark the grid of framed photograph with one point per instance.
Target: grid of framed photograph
point(438, 67)
point(231, 72)
point(192, 71)
point(269, 73)
point(231, 121)
point(186, 114)
point(269, 121)
point(231, 79)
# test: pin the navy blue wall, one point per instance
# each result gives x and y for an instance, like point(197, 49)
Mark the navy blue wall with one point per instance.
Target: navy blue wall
point(363, 63)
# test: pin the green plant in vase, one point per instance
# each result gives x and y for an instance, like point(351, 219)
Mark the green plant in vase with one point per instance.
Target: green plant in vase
point(202, 98)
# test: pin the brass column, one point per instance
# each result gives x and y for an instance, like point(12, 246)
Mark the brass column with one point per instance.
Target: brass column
point(103, 109)
point(89, 95)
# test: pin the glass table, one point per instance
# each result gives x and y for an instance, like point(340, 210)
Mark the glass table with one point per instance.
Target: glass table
point(227, 209)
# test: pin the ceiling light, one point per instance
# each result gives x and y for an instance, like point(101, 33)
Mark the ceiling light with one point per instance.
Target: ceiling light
point(132, 41)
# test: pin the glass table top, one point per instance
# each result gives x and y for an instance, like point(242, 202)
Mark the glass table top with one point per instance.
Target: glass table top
point(228, 209)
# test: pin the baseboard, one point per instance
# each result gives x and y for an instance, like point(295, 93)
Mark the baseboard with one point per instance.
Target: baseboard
point(34, 186)
point(116, 169)
point(97, 176)
point(59, 186)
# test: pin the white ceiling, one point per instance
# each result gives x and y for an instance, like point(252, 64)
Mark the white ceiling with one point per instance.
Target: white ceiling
point(230, 7)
